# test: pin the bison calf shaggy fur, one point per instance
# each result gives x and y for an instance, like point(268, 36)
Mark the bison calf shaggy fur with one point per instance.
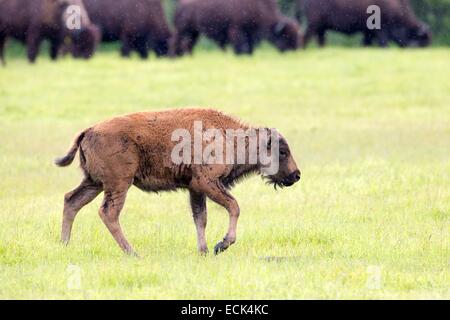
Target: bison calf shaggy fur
point(243, 24)
point(32, 21)
point(398, 22)
point(139, 24)
point(136, 149)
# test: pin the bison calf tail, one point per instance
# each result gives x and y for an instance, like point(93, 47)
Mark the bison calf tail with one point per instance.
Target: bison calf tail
point(68, 158)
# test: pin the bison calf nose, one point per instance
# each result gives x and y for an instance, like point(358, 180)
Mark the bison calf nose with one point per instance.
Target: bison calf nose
point(297, 175)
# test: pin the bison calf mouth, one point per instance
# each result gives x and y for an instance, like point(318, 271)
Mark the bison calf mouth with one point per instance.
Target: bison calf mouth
point(291, 179)
point(288, 181)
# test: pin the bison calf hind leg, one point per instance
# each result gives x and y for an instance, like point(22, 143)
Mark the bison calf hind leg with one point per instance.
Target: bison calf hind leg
point(73, 202)
point(109, 212)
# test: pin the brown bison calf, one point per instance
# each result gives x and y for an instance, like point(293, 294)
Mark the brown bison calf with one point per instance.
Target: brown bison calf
point(32, 21)
point(243, 24)
point(140, 149)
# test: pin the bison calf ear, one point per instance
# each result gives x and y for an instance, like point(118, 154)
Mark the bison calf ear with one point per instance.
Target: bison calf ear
point(265, 137)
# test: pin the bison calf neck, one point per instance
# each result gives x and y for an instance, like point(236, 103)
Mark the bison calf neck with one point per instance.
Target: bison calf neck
point(136, 149)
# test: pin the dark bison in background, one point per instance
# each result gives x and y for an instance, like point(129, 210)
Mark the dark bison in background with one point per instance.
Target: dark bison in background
point(139, 24)
point(32, 21)
point(398, 21)
point(240, 23)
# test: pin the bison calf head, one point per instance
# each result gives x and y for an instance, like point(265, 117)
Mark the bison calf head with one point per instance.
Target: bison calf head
point(285, 34)
point(278, 151)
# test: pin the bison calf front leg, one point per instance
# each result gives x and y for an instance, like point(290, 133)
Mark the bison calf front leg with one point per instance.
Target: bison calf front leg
point(219, 194)
point(225, 199)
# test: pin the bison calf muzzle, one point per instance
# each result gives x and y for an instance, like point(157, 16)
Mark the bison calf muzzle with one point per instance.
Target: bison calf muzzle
point(136, 149)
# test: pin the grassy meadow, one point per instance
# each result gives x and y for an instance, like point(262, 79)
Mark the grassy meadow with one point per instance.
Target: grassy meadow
point(370, 129)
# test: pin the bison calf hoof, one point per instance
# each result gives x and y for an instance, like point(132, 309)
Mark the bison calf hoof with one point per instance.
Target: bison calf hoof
point(221, 247)
point(132, 254)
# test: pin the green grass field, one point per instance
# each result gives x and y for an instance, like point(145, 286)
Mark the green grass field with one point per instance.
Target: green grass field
point(370, 129)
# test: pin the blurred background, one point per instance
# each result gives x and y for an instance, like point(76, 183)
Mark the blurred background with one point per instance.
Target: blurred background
point(435, 13)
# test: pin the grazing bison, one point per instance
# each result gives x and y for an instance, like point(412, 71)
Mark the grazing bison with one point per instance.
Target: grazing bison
point(398, 22)
point(143, 149)
point(32, 21)
point(240, 23)
point(139, 24)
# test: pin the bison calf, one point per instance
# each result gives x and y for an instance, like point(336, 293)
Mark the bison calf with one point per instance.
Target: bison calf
point(155, 152)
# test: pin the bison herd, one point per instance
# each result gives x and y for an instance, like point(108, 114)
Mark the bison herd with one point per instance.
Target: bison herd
point(141, 25)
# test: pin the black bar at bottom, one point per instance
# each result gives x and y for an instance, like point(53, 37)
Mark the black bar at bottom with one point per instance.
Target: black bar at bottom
point(220, 309)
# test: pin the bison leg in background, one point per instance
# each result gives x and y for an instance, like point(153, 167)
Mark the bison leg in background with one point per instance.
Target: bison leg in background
point(222, 43)
point(2, 49)
point(33, 43)
point(221, 39)
point(367, 40)
point(187, 42)
point(251, 43)
point(199, 213)
point(382, 38)
point(310, 32)
point(109, 212)
point(125, 50)
point(140, 44)
point(321, 37)
point(55, 44)
point(126, 45)
point(219, 194)
point(239, 40)
point(315, 29)
point(74, 201)
point(161, 48)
